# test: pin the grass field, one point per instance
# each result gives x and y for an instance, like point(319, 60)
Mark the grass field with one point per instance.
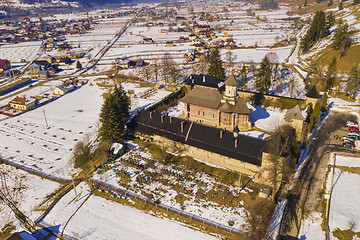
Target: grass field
point(343, 64)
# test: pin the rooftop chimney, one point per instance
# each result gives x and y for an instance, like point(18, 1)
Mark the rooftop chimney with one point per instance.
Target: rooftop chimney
point(182, 126)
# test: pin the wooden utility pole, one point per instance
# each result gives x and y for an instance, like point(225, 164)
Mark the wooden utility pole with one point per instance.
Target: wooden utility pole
point(45, 119)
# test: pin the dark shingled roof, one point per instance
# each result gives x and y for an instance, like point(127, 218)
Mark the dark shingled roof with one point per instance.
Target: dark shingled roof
point(239, 107)
point(312, 93)
point(231, 81)
point(295, 113)
point(201, 96)
point(204, 80)
point(201, 136)
point(211, 98)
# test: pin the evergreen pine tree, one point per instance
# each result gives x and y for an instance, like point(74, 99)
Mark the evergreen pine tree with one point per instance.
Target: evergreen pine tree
point(341, 7)
point(306, 3)
point(319, 28)
point(323, 102)
point(114, 115)
point(78, 65)
point(342, 38)
point(216, 65)
point(263, 76)
point(353, 82)
point(331, 2)
point(355, 2)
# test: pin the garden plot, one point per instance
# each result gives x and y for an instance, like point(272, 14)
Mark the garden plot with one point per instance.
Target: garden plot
point(99, 218)
point(27, 140)
point(17, 52)
point(33, 192)
point(345, 198)
point(175, 185)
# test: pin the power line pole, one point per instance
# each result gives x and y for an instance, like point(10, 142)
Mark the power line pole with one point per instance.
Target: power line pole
point(45, 119)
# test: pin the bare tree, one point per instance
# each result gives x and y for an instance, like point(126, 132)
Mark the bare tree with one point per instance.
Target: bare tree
point(168, 68)
point(201, 66)
point(258, 218)
point(230, 58)
point(155, 69)
point(280, 150)
point(11, 194)
point(145, 72)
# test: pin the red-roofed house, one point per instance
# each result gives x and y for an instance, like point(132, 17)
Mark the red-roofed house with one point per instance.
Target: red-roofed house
point(4, 65)
point(21, 103)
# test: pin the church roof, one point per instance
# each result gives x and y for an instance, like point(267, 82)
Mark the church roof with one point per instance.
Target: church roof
point(240, 107)
point(295, 113)
point(211, 98)
point(231, 81)
point(202, 96)
point(205, 137)
point(204, 80)
point(312, 93)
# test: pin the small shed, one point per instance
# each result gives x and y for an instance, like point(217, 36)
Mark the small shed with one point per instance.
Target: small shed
point(43, 74)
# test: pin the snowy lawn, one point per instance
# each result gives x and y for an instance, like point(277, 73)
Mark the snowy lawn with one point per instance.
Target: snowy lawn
point(99, 219)
point(34, 192)
point(267, 119)
point(344, 208)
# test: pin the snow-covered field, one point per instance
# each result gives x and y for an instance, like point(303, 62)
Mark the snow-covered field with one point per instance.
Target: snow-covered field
point(34, 192)
point(28, 140)
point(16, 52)
point(344, 206)
point(99, 219)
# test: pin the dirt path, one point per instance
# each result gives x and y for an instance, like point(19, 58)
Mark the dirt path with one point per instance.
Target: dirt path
point(305, 197)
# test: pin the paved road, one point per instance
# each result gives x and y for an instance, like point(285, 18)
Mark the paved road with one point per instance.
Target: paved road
point(305, 197)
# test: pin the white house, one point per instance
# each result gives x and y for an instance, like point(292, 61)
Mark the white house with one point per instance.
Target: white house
point(61, 90)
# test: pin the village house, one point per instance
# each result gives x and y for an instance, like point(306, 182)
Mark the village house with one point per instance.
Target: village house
point(50, 59)
point(21, 103)
point(62, 89)
point(4, 65)
point(218, 107)
point(43, 74)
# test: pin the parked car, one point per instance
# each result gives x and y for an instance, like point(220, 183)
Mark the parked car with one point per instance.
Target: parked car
point(345, 140)
point(353, 128)
point(352, 124)
point(353, 136)
point(348, 144)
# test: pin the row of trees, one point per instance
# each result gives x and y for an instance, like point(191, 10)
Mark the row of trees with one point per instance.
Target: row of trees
point(166, 68)
point(319, 28)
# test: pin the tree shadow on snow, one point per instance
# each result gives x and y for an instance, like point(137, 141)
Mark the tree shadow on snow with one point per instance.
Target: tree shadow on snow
point(259, 113)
